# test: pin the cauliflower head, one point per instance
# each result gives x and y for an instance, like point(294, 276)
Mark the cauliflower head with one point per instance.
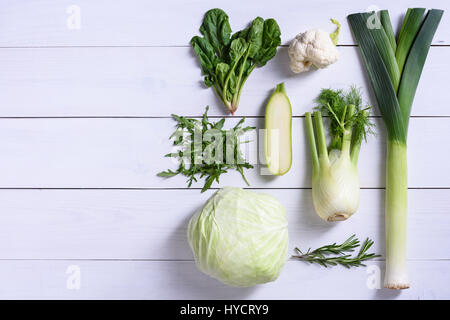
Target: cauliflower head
point(313, 48)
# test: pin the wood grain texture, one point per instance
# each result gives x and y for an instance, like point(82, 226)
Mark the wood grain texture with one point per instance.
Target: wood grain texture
point(157, 82)
point(128, 153)
point(84, 125)
point(147, 224)
point(182, 280)
point(173, 22)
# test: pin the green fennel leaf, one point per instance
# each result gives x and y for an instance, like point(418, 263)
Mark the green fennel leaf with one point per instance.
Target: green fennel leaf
point(335, 104)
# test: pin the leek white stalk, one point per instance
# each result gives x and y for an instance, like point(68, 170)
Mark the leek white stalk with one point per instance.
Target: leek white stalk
point(394, 67)
point(396, 213)
point(335, 181)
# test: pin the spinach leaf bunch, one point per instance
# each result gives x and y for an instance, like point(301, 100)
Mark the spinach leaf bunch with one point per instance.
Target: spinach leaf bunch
point(228, 59)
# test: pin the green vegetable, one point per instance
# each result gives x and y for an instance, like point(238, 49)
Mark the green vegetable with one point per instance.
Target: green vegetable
point(335, 182)
point(278, 136)
point(314, 47)
point(240, 237)
point(207, 150)
point(227, 60)
point(334, 254)
point(394, 69)
point(335, 35)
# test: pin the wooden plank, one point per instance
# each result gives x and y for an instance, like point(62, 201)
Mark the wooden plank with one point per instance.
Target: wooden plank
point(99, 82)
point(148, 224)
point(128, 153)
point(181, 280)
point(174, 22)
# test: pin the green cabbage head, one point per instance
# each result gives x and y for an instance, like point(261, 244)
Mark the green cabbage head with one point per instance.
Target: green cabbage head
point(240, 237)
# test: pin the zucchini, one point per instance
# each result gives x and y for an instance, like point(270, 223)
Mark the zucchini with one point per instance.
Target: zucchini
point(278, 133)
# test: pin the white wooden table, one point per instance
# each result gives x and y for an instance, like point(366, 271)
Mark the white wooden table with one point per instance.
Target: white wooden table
point(85, 117)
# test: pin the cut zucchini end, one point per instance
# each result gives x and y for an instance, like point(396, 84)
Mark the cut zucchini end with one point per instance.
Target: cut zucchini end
point(278, 133)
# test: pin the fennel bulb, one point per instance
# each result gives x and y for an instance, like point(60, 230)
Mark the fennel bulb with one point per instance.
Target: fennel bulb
point(335, 181)
point(240, 237)
point(335, 188)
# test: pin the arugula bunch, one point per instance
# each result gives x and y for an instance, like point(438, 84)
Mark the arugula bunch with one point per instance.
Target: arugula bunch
point(227, 60)
point(198, 155)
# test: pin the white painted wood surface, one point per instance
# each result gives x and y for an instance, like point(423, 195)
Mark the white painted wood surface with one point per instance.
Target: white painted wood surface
point(174, 22)
point(128, 153)
point(101, 82)
point(143, 224)
point(84, 121)
point(47, 279)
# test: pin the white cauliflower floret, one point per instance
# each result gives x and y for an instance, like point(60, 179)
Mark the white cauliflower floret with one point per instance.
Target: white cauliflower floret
point(313, 47)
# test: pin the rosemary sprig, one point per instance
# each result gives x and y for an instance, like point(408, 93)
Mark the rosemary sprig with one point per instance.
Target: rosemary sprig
point(197, 157)
point(322, 255)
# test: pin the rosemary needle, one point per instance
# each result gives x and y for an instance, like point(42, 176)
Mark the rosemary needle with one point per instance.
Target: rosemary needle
point(334, 254)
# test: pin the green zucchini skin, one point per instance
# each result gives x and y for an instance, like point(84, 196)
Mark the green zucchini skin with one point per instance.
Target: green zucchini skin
point(278, 115)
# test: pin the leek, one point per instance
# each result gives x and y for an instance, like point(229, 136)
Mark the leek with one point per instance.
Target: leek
point(394, 69)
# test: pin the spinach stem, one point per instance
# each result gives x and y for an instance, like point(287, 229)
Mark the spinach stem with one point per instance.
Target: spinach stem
point(238, 96)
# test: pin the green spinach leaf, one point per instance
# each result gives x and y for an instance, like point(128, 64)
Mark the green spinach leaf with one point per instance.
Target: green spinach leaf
point(226, 59)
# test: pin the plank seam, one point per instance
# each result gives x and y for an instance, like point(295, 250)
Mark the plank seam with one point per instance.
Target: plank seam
point(154, 46)
point(177, 260)
point(187, 116)
point(196, 189)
